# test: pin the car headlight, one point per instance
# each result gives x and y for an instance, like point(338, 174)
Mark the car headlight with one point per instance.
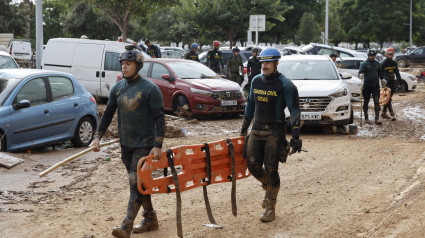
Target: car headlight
point(340, 93)
point(411, 77)
point(200, 91)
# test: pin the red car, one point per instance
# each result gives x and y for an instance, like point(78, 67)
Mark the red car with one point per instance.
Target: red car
point(193, 86)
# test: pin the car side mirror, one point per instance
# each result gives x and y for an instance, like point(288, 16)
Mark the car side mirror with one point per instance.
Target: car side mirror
point(166, 77)
point(22, 104)
point(345, 75)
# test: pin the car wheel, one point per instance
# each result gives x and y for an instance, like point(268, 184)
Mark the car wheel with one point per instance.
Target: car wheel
point(351, 117)
point(402, 63)
point(83, 133)
point(402, 87)
point(182, 103)
point(2, 142)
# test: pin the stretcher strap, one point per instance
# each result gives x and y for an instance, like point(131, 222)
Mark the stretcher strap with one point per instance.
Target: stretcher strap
point(204, 188)
point(233, 195)
point(170, 157)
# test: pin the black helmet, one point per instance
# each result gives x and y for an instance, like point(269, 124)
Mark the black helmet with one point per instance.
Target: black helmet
point(132, 54)
point(371, 52)
point(236, 49)
point(147, 41)
point(255, 49)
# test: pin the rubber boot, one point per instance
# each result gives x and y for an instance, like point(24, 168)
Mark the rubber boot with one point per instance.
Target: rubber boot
point(392, 116)
point(149, 223)
point(264, 202)
point(124, 231)
point(269, 213)
point(366, 118)
point(377, 121)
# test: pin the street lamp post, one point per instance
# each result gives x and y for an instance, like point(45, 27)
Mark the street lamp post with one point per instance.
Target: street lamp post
point(38, 32)
point(410, 33)
point(327, 23)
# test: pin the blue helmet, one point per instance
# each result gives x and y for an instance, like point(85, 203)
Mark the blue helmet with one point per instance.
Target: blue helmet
point(269, 54)
point(194, 45)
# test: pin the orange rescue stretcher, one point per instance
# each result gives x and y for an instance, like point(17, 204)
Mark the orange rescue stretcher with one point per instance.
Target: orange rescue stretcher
point(199, 165)
point(384, 96)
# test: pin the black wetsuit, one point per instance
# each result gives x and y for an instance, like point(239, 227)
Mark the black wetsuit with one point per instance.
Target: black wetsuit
point(389, 70)
point(192, 56)
point(141, 127)
point(253, 69)
point(372, 73)
point(269, 96)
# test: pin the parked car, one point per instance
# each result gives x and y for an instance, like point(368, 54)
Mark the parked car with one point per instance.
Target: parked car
point(408, 50)
point(178, 49)
point(227, 54)
point(324, 98)
point(7, 62)
point(352, 66)
point(416, 57)
point(42, 107)
point(193, 86)
point(171, 54)
point(20, 49)
point(320, 49)
point(94, 63)
point(291, 50)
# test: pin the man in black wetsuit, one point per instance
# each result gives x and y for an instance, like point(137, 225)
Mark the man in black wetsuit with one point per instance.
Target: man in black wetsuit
point(141, 130)
point(271, 92)
point(253, 67)
point(215, 59)
point(372, 73)
point(192, 55)
point(389, 70)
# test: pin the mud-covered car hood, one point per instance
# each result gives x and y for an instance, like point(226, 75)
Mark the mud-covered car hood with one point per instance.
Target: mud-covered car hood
point(317, 88)
point(214, 84)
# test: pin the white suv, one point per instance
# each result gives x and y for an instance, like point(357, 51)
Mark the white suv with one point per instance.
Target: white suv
point(324, 98)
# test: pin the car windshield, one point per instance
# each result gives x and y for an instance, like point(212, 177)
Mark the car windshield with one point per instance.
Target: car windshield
point(192, 70)
point(307, 70)
point(6, 85)
point(7, 63)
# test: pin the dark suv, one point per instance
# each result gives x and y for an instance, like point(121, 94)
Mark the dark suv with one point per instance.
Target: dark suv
point(415, 57)
point(227, 54)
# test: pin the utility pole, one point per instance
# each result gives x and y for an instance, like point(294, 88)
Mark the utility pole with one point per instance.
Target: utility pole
point(38, 32)
point(410, 33)
point(327, 23)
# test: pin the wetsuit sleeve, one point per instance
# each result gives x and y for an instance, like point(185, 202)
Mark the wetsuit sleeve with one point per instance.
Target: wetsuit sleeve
point(248, 68)
point(293, 104)
point(397, 73)
point(208, 58)
point(362, 68)
point(108, 114)
point(249, 110)
point(221, 60)
point(229, 63)
point(157, 106)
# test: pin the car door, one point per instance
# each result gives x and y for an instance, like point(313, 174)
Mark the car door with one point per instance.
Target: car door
point(166, 86)
point(111, 68)
point(33, 123)
point(417, 56)
point(65, 106)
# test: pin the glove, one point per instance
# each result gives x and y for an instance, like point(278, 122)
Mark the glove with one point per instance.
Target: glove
point(296, 144)
point(383, 83)
point(244, 130)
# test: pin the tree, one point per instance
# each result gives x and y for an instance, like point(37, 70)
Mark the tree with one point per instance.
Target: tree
point(309, 29)
point(121, 12)
point(83, 20)
point(11, 21)
point(336, 33)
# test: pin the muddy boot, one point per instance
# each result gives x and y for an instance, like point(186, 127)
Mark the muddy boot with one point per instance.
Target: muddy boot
point(124, 231)
point(392, 116)
point(384, 115)
point(366, 118)
point(269, 213)
point(264, 202)
point(149, 223)
point(377, 121)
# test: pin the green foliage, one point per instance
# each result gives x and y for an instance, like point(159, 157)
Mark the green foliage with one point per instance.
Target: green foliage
point(83, 20)
point(13, 18)
point(309, 29)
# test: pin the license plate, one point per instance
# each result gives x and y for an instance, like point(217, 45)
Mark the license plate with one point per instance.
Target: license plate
point(229, 103)
point(311, 116)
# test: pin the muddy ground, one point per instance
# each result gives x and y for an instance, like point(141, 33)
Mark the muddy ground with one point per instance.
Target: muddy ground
point(371, 184)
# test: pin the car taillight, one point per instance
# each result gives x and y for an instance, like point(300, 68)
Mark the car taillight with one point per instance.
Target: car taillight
point(92, 99)
point(244, 70)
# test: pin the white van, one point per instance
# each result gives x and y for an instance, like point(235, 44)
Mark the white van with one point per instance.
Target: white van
point(20, 49)
point(92, 62)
